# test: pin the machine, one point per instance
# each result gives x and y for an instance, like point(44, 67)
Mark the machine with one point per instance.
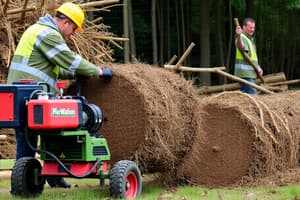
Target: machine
point(70, 142)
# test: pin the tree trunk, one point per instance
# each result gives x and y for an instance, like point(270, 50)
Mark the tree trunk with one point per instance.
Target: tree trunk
point(177, 18)
point(154, 32)
point(160, 7)
point(219, 31)
point(168, 28)
point(230, 36)
point(126, 31)
point(131, 32)
point(249, 8)
point(182, 20)
point(205, 41)
point(219, 40)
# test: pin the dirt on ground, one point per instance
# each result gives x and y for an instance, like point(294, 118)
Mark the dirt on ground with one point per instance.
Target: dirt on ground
point(8, 146)
point(155, 118)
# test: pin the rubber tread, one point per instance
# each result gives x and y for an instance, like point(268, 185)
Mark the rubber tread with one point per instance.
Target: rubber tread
point(22, 179)
point(118, 175)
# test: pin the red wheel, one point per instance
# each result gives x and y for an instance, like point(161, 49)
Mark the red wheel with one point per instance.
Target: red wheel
point(125, 180)
point(132, 185)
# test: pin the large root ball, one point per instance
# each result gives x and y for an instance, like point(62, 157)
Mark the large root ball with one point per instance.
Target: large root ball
point(243, 138)
point(150, 115)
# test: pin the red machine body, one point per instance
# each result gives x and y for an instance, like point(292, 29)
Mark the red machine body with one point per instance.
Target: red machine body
point(7, 106)
point(47, 114)
point(53, 168)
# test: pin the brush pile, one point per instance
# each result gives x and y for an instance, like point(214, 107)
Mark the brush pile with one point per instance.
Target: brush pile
point(94, 43)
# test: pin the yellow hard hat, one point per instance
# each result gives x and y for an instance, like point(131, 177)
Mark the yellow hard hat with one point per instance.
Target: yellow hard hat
point(73, 12)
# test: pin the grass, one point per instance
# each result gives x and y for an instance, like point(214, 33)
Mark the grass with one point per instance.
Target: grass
point(6, 164)
point(89, 189)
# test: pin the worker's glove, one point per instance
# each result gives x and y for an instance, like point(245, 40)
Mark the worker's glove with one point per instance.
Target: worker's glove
point(107, 75)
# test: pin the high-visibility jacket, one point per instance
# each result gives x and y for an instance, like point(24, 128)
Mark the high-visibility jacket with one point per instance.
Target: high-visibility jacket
point(43, 55)
point(242, 68)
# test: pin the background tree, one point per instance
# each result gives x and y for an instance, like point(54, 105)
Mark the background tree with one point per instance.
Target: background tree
point(166, 28)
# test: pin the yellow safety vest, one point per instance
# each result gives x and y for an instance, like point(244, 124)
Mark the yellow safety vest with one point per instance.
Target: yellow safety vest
point(242, 67)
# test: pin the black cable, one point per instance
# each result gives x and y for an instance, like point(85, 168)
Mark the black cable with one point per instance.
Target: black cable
point(98, 161)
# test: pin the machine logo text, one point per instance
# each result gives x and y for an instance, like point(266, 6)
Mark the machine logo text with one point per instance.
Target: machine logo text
point(63, 112)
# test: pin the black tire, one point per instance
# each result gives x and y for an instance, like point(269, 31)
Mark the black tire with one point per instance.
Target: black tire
point(26, 179)
point(125, 180)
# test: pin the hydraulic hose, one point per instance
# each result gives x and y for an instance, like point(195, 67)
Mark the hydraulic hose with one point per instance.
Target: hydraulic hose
point(97, 163)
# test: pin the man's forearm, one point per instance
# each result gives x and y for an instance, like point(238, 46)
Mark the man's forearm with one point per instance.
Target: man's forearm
point(240, 43)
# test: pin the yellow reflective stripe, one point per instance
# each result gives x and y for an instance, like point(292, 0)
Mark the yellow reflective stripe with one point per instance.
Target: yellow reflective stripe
point(41, 35)
point(34, 72)
point(56, 70)
point(244, 67)
point(252, 50)
point(56, 50)
point(75, 64)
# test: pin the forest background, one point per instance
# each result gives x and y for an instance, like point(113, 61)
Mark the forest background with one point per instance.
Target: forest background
point(159, 29)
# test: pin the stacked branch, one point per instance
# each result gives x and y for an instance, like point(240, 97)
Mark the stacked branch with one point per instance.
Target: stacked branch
point(267, 89)
point(94, 44)
point(271, 80)
point(219, 71)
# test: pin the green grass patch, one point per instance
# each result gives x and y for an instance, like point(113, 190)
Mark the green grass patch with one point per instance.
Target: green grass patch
point(6, 164)
point(88, 189)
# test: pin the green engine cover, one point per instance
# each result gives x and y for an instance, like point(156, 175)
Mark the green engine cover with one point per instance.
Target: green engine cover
point(74, 146)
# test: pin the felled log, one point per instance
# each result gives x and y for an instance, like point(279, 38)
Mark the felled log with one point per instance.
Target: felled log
point(235, 78)
point(194, 69)
point(221, 72)
point(269, 79)
point(285, 82)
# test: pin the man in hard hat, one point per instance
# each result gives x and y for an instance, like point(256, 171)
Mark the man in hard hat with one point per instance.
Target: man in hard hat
point(43, 55)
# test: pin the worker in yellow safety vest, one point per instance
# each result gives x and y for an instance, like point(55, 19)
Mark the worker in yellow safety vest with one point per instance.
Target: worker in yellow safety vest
point(43, 55)
point(243, 68)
